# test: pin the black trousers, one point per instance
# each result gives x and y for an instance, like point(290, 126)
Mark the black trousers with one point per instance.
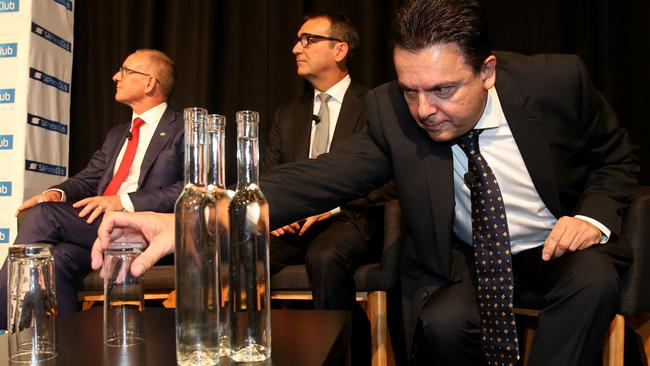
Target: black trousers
point(581, 292)
point(57, 223)
point(331, 251)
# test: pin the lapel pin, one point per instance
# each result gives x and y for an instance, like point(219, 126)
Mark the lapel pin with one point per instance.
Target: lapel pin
point(163, 133)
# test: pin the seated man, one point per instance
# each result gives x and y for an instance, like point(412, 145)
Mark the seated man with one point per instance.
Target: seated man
point(138, 168)
point(512, 173)
point(334, 243)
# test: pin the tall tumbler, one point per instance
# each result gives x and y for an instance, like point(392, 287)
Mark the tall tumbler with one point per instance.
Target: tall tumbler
point(31, 303)
point(197, 286)
point(219, 227)
point(249, 251)
point(123, 296)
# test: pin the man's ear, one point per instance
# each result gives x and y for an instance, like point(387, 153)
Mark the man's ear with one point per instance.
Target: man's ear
point(489, 72)
point(151, 85)
point(341, 51)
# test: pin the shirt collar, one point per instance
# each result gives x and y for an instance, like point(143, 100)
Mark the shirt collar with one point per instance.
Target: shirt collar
point(493, 116)
point(337, 91)
point(152, 116)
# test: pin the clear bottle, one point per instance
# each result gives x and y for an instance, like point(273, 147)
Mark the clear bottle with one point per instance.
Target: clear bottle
point(249, 251)
point(219, 227)
point(197, 286)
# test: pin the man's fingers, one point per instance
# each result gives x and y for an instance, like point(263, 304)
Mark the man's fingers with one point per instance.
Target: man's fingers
point(146, 260)
point(551, 243)
point(97, 254)
point(308, 223)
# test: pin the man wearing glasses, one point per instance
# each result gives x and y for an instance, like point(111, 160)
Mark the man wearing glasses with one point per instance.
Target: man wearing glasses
point(334, 243)
point(138, 168)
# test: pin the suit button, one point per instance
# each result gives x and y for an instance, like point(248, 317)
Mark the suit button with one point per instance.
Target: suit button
point(425, 294)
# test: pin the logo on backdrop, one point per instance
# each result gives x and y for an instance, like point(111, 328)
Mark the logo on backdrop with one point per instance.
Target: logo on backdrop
point(7, 95)
point(37, 29)
point(66, 3)
point(49, 80)
point(35, 166)
point(5, 189)
point(4, 235)
point(8, 6)
point(6, 142)
point(47, 124)
point(8, 50)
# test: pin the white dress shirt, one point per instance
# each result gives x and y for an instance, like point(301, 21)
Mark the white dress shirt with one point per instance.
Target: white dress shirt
point(529, 220)
point(130, 184)
point(336, 92)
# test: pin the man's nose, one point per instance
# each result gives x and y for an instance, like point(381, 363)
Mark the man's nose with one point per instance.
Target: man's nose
point(297, 48)
point(426, 108)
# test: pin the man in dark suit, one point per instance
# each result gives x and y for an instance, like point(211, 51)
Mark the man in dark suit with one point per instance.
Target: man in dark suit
point(563, 168)
point(334, 243)
point(552, 173)
point(138, 168)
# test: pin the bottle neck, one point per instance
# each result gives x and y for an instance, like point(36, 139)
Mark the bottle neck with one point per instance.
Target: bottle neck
point(216, 158)
point(195, 154)
point(247, 155)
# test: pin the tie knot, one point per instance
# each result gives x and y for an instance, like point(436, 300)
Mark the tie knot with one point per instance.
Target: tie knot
point(324, 97)
point(137, 123)
point(469, 143)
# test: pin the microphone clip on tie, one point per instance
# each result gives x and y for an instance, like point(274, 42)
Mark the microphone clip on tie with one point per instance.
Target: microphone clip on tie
point(315, 118)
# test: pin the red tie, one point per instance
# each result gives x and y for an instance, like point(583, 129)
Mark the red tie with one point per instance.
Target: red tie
point(127, 159)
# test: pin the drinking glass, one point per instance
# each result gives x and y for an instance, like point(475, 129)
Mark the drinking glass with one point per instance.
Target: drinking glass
point(123, 296)
point(31, 303)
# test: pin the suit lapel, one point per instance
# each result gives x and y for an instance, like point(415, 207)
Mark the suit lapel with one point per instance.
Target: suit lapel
point(349, 115)
point(158, 141)
point(302, 130)
point(110, 166)
point(438, 167)
point(526, 122)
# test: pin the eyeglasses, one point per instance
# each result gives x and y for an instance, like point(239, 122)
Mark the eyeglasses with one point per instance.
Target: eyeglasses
point(306, 39)
point(126, 71)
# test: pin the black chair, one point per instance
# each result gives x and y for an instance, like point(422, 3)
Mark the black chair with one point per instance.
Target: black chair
point(372, 281)
point(634, 309)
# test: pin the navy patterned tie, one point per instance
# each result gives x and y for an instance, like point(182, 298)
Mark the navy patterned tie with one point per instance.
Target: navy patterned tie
point(492, 258)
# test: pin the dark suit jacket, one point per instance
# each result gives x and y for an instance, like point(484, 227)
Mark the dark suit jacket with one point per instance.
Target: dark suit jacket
point(291, 130)
point(580, 161)
point(161, 172)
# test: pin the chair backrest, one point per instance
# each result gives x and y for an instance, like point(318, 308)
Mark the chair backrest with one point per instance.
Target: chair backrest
point(636, 231)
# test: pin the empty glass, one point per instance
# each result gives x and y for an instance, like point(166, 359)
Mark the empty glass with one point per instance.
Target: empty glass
point(123, 296)
point(31, 303)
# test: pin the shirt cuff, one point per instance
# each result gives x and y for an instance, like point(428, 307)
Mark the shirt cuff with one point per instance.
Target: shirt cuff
point(335, 211)
point(605, 232)
point(63, 198)
point(127, 205)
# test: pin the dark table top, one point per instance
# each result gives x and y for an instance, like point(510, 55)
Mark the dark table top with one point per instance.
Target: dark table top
point(299, 337)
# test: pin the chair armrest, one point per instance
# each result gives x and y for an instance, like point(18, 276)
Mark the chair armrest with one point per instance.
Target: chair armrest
point(393, 233)
point(636, 230)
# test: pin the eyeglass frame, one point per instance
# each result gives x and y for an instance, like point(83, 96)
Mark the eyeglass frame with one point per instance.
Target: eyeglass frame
point(128, 71)
point(308, 37)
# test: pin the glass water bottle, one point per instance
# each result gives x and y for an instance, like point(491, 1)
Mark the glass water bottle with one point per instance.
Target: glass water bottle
point(249, 251)
point(197, 287)
point(219, 228)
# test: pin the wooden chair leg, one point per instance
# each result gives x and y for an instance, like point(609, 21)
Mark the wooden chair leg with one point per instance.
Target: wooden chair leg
point(640, 323)
point(613, 354)
point(170, 303)
point(382, 353)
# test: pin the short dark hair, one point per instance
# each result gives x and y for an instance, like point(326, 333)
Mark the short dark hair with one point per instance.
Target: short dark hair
point(420, 24)
point(341, 27)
